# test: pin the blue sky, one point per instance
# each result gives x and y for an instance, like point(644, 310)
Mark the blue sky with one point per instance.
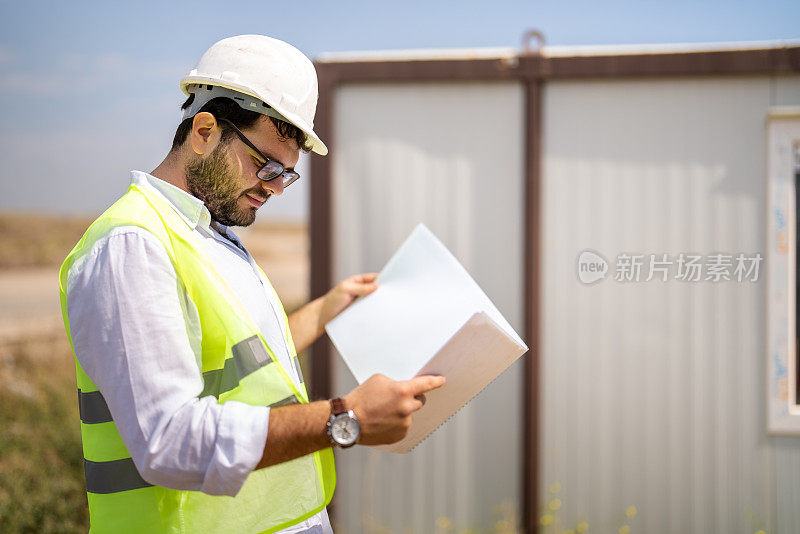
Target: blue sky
point(88, 90)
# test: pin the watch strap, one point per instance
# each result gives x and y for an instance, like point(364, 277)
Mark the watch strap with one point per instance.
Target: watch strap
point(337, 406)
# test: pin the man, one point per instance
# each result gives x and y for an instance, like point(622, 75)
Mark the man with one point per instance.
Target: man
point(194, 415)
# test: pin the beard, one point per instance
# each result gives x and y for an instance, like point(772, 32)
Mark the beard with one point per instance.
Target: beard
point(213, 181)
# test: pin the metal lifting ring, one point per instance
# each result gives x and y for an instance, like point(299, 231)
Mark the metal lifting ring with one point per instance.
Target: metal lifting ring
point(526, 42)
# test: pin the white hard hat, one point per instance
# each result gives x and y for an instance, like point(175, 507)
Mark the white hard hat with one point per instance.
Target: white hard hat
point(255, 70)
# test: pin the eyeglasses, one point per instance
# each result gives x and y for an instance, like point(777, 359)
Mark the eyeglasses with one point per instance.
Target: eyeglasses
point(271, 169)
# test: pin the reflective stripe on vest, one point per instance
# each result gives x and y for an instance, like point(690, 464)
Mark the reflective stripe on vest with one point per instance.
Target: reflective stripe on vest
point(248, 357)
point(237, 364)
point(117, 475)
point(112, 476)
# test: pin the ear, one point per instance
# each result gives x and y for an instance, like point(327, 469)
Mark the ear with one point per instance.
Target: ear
point(205, 133)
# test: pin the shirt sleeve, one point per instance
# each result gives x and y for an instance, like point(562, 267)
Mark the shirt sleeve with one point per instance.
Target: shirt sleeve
point(131, 324)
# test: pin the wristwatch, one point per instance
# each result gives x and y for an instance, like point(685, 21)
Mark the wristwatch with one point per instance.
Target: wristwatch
point(343, 428)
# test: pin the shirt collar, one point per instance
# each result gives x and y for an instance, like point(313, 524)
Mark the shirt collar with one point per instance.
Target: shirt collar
point(191, 209)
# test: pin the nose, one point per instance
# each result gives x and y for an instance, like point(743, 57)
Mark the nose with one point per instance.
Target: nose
point(273, 187)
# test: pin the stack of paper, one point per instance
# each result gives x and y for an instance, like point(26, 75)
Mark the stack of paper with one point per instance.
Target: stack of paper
point(427, 317)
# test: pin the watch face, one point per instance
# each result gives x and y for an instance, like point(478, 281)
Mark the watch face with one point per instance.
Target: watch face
point(345, 430)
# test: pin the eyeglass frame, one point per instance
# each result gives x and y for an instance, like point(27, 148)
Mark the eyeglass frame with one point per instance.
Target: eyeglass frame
point(292, 175)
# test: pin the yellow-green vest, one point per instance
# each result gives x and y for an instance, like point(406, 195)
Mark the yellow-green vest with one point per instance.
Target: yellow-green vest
point(237, 364)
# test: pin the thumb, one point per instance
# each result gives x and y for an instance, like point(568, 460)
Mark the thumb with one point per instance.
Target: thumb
point(360, 289)
point(365, 278)
point(425, 383)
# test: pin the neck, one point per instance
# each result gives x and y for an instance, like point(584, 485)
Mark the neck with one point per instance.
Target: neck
point(172, 170)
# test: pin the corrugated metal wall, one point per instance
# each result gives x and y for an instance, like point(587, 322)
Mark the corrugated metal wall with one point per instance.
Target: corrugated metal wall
point(653, 392)
point(653, 401)
point(448, 155)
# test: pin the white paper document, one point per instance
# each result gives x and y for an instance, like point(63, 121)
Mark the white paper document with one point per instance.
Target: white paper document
point(428, 316)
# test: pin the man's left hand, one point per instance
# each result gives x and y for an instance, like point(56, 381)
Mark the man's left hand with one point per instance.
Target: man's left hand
point(344, 293)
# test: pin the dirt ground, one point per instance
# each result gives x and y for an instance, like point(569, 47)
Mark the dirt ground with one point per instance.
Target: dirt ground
point(29, 301)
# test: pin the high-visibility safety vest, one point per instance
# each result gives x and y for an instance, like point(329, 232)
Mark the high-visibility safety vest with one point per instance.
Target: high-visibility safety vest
point(237, 364)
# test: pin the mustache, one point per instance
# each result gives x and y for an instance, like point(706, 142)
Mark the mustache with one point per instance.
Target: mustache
point(257, 192)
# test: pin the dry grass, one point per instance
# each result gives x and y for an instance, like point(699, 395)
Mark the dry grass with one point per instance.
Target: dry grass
point(37, 241)
point(41, 468)
point(28, 241)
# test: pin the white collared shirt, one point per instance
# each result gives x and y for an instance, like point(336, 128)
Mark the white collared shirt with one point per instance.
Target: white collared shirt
point(137, 336)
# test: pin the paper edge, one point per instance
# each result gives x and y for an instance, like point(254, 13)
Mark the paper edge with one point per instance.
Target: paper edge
point(524, 348)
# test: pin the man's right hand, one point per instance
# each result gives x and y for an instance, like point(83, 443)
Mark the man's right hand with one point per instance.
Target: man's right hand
point(383, 406)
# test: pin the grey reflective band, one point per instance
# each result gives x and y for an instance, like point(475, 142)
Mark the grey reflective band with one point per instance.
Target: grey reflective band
point(211, 383)
point(121, 475)
point(248, 357)
point(219, 381)
point(93, 408)
point(113, 476)
point(296, 362)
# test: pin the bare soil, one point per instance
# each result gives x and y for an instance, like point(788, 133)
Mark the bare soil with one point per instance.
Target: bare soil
point(30, 258)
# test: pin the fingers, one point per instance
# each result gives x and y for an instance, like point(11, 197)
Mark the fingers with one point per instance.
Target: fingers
point(360, 284)
point(359, 290)
point(424, 383)
point(385, 407)
point(365, 278)
point(415, 405)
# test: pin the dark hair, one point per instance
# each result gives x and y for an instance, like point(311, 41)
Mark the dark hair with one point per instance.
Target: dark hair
point(225, 108)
